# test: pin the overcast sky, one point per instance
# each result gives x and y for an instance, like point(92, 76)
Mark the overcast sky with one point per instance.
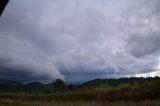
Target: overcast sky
point(79, 40)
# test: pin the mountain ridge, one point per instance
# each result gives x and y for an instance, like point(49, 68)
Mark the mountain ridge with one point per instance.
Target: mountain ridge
point(16, 86)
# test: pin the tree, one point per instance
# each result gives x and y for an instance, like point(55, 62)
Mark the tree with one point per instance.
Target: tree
point(70, 87)
point(59, 85)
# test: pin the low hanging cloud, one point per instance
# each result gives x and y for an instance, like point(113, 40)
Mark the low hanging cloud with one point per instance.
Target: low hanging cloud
point(78, 40)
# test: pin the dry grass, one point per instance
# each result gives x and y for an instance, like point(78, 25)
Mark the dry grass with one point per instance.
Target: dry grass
point(9, 102)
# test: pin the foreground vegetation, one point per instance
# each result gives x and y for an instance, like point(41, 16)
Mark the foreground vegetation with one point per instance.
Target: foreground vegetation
point(10, 102)
point(108, 92)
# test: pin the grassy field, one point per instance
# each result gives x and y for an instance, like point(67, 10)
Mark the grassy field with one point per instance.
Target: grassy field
point(9, 102)
point(24, 99)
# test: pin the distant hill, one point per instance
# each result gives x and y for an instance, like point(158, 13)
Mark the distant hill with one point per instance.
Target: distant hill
point(15, 86)
point(8, 85)
point(34, 86)
point(111, 82)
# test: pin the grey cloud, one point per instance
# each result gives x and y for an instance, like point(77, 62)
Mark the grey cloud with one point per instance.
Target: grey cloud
point(144, 45)
point(78, 40)
point(144, 34)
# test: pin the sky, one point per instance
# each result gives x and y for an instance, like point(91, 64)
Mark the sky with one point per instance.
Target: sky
point(79, 40)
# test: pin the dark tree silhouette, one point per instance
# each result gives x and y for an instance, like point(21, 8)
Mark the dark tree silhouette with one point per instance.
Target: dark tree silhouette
point(59, 85)
point(71, 87)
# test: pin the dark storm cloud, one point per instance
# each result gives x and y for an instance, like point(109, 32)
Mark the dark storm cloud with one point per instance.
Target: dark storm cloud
point(78, 40)
point(144, 45)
